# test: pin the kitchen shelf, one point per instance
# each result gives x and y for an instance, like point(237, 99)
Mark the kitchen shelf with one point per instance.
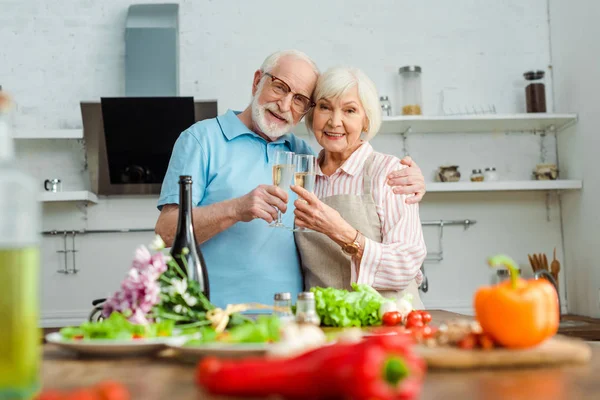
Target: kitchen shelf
point(48, 134)
point(503, 186)
point(80, 195)
point(539, 122)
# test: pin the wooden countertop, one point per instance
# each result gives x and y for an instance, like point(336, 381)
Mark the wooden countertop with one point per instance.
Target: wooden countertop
point(165, 378)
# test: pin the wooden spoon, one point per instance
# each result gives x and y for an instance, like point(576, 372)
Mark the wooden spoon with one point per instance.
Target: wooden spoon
point(555, 267)
point(532, 262)
point(545, 262)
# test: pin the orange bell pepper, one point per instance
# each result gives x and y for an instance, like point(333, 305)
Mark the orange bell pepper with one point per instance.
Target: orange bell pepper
point(517, 313)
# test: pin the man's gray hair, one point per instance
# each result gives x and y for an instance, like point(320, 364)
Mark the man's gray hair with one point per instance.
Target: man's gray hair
point(271, 61)
point(338, 80)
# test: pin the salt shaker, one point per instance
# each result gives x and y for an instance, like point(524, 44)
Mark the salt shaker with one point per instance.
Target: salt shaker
point(386, 106)
point(490, 174)
point(306, 312)
point(283, 305)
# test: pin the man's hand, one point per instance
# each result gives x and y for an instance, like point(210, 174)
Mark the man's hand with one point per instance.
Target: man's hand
point(262, 203)
point(408, 181)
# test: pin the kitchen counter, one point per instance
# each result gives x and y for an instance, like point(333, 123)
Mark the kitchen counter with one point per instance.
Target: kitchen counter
point(166, 378)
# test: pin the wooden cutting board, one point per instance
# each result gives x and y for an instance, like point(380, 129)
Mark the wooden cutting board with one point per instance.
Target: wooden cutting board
point(556, 351)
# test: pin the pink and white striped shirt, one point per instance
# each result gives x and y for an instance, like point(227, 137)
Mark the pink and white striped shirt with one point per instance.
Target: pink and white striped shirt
point(394, 263)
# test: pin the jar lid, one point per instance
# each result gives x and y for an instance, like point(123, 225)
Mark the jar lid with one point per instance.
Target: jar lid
point(306, 296)
point(283, 296)
point(533, 75)
point(409, 68)
point(504, 272)
point(490, 169)
point(383, 98)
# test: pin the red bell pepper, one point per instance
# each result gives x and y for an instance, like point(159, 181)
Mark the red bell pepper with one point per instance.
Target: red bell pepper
point(383, 367)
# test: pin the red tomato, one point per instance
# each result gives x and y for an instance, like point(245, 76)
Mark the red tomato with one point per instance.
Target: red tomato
point(414, 319)
point(137, 336)
point(111, 390)
point(426, 317)
point(50, 395)
point(391, 318)
point(82, 394)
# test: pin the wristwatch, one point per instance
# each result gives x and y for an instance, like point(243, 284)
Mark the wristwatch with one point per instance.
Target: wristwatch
point(352, 247)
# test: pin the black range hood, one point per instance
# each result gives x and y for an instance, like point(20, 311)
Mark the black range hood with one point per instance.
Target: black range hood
point(129, 140)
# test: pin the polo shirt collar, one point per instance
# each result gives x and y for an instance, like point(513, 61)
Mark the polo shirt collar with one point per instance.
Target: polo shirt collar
point(232, 127)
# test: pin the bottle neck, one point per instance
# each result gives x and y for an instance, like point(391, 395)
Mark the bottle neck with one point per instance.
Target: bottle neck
point(184, 224)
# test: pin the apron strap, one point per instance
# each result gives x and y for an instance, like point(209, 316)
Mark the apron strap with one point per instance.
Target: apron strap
point(368, 175)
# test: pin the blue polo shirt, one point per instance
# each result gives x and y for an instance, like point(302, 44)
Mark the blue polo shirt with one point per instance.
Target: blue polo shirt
point(249, 262)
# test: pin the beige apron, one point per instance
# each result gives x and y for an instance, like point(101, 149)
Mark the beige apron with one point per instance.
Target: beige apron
point(324, 263)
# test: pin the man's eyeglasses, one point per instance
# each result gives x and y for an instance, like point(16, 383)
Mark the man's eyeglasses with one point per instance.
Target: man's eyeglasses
point(300, 103)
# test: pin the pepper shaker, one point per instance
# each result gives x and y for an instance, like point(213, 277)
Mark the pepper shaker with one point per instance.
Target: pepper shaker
point(283, 305)
point(386, 106)
point(306, 312)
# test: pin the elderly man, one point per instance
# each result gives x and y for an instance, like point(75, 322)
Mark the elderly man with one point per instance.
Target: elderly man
point(228, 158)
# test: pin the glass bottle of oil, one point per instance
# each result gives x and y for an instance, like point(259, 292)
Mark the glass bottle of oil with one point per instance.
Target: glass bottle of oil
point(20, 347)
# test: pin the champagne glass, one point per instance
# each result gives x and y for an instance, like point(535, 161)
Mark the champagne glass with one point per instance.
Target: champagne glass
point(305, 176)
point(283, 170)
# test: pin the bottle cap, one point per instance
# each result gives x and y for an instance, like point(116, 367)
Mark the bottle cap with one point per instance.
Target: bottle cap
point(283, 296)
point(306, 296)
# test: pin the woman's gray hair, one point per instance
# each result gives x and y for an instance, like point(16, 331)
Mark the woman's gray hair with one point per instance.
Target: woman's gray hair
point(338, 80)
point(271, 61)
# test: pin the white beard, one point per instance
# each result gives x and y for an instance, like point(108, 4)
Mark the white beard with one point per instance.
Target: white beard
point(272, 129)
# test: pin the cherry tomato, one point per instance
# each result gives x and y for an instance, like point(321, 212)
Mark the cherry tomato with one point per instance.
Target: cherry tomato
point(426, 317)
point(468, 342)
point(414, 319)
point(82, 394)
point(111, 390)
point(391, 318)
point(50, 395)
point(137, 336)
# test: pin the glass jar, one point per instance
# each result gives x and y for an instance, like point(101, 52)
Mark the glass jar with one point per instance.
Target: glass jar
point(386, 106)
point(535, 92)
point(476, 176)
point(410, 90)
point(490, 174)
point(283, 304)
point(306, 312)
point(503, 274)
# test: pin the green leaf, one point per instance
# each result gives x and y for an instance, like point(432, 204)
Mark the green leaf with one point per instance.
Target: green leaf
point(341, 308)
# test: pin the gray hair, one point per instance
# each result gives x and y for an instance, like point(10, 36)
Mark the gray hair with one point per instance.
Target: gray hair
point(272, 60)
point(338, 80)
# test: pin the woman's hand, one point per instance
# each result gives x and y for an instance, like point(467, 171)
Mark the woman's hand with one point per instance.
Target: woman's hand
point(313, 214)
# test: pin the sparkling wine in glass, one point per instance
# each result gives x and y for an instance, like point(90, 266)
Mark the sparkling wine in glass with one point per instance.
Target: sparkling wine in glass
point(305, 176)
point(283, 170)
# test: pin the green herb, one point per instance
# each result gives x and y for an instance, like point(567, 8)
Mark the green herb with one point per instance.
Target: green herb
point(265, 329)
point(341, 308)
point(116, 326)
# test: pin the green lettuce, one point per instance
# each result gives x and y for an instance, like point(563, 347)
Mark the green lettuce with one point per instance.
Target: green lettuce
point(341, 308)
point(117, 327)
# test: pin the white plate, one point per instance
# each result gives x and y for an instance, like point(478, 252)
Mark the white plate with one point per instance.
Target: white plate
point(223, 350)
point(109, 347)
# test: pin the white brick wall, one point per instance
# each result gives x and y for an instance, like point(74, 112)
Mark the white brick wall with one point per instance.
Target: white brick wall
point(55, 54)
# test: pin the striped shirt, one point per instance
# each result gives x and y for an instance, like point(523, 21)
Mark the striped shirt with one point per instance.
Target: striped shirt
point(394, 263)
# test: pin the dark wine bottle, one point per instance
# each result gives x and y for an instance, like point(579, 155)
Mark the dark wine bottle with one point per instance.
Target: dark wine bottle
point(185, 251)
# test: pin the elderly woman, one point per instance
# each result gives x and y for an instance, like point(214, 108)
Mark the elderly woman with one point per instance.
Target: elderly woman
point(368, 234)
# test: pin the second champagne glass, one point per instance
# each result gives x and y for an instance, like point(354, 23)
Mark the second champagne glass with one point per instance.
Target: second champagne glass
point(283, 169)
point(304, 176)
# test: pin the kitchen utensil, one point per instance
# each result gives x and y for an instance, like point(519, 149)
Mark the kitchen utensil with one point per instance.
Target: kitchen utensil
point(545, 260)
point(555, 267)
point(448, 173)
point(532, 262)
